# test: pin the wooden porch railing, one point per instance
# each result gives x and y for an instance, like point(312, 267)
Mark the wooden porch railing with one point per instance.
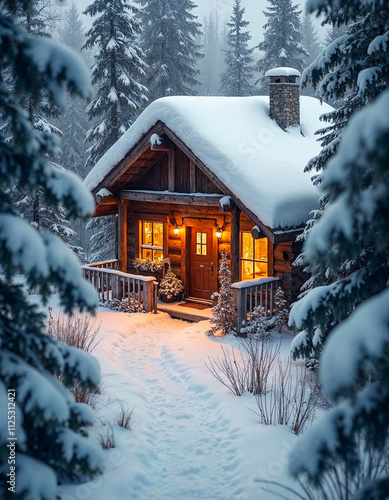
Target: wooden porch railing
point(107, 264)
point(253, 293)
point(141, 291)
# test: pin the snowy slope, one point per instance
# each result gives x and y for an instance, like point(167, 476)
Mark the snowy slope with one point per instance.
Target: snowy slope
point(235, 137)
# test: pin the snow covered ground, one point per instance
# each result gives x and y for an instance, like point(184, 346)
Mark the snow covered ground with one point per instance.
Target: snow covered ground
point(190, 438)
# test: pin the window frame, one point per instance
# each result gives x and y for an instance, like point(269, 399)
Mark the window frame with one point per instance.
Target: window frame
point(152, 219)
point(254, 260)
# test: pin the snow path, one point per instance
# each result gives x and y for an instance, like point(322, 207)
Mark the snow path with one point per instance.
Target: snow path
point(192, 441)
point(190, 438)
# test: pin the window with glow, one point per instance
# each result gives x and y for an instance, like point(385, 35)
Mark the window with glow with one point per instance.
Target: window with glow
point(152, 240)
point(253, 255)
point(201, 244)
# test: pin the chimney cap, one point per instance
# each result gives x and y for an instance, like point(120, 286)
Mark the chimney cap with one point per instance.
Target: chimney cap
point(283, 72)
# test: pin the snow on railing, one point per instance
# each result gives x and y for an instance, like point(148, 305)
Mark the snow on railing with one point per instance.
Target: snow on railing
point(253, 293)
point(107, 264)
point(140, 291)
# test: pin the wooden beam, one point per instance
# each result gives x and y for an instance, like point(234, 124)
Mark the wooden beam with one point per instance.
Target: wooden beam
point(122, 235)
point(171, 171)
point(235, 245)
point(104, 210)
point(227, 207)
point(285, 236)
point(256, 233)
point(106, 200)
point(192, 176)
point(175, 198)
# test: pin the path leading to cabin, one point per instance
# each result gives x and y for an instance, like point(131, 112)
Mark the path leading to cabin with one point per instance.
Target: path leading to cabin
point(192, 442)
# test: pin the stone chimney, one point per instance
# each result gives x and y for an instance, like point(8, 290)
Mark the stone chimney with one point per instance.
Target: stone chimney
point(284, 96)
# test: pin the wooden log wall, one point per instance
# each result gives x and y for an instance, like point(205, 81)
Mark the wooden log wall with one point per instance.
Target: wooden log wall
point(175, 243)
point(281, 255)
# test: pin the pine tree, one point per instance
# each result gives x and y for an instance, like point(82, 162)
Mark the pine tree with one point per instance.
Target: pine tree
point(334, 32)
point(103, 239)
point(35, 20)
point(44, 218)
point(169, 41)
point(51, 428)
point(310, 40)
point(223, 313)
point(282, 39)
point(336, 77)
point(236, 80)
point(74, 123)
point(116, 74)
point(281, 310)
point(350, 242)
point(212, 64)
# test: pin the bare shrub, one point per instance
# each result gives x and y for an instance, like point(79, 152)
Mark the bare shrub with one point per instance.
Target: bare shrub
point(79, 330)
point(290, 401)
point(249, 370)
point(107, 438)
point(124, 417)
point(232, 373)
point(260, 359)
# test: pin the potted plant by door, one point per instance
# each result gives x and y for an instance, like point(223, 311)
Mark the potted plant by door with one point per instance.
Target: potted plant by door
point(171, 287)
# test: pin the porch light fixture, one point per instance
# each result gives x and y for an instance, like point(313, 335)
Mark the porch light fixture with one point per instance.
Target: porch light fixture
point(219, 232)
point(176, 230)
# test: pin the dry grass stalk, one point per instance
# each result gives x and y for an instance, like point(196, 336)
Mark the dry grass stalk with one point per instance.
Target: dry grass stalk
point(107, 439)
point(124, 417)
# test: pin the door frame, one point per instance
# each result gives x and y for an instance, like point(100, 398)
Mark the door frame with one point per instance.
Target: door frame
point(190, 228)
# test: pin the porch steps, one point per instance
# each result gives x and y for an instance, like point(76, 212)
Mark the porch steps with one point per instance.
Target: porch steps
point(185, 313)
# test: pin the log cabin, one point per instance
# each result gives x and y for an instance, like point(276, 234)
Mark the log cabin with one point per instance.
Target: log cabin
point(196, 175)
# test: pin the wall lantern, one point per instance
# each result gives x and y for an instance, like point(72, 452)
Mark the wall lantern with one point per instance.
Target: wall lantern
point(219, 232)
point(176, 230)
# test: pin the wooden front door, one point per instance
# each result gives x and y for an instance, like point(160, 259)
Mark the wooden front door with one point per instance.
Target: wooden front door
point(202, 266)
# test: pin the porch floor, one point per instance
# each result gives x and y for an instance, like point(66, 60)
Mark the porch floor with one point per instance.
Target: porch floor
point(179, 311)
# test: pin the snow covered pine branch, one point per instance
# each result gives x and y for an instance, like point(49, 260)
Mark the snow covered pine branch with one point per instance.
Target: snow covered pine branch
point(52, 444)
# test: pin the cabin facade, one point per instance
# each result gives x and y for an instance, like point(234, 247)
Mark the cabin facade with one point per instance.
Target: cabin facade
point(182, 194)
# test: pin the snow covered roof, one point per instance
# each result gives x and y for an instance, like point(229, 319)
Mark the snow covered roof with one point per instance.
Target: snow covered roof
point(257, 161)
point(283, 72)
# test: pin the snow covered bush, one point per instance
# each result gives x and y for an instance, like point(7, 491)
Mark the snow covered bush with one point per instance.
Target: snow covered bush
point(349, 242)
point(224, 312)
point(261, 326)
point(170, 287)
point(125, 305)
point(51, 428)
